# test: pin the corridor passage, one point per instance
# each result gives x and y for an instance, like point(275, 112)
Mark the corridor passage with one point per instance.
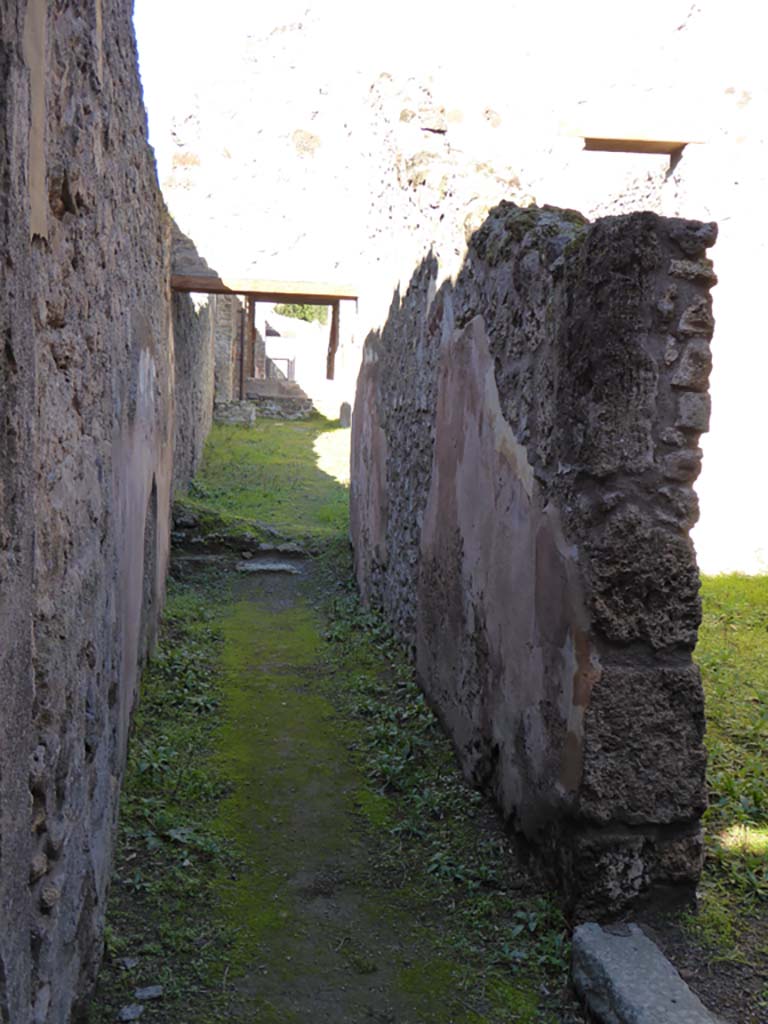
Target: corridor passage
point(297, 844)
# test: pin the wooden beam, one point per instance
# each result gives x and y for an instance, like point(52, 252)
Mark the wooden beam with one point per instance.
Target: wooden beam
point(302, 292)
point(633, 145)
point(333, 343)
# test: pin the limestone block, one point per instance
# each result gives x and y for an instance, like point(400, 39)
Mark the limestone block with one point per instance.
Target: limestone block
point(671, 350)
point(665, 307)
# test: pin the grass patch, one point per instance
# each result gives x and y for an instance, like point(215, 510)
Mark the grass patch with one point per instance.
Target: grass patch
point(168, 853)
point(733, 656)
point(272, 474)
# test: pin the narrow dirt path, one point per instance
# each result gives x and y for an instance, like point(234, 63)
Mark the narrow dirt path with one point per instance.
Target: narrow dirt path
point(325, 944)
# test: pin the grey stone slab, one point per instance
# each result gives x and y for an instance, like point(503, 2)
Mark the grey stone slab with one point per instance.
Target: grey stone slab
point(257, 565)
point(150, 992)
point(289, 548)
point(624, 978)
point(129, 1013)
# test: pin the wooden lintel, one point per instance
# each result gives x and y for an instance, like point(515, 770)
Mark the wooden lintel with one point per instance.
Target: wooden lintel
point(302, 292)
point(659, 146)
point(333, 342)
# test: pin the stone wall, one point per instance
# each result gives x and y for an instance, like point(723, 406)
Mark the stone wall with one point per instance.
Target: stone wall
point(86, 441)
point(235, 413)
point(524, 448)
point(282, 407)
point(193, 347)
point(227, 347)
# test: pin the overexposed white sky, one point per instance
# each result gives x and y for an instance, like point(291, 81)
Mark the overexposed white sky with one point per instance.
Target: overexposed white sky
point(527, 53)
point(234, 99)
point(541, 60)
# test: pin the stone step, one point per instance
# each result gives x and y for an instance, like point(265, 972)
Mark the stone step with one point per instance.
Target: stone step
point(273, 388)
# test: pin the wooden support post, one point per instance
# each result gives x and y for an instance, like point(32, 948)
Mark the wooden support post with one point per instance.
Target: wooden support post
point(333, 343)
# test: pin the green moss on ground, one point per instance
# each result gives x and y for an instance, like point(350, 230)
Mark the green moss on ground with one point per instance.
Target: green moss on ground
point(275, 745)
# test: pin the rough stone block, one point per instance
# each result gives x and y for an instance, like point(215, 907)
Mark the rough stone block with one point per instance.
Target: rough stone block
point(692, 372)
point(692, 236)
point(682, 466)
point(683, 504)
point(697, 319)
point(693, 411)
point(644, 757)
point(693, 270)
point(235, 413)
point(644, 582)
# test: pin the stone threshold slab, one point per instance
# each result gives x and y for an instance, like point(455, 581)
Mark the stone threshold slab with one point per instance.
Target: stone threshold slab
point(624, 978)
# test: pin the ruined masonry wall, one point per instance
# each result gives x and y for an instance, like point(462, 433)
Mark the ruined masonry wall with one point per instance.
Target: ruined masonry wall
point(86, 442)
point(524, 449)
point(226, 347)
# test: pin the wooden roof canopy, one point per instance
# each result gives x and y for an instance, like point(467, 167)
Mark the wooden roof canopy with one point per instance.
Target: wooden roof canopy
point(302, 292)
